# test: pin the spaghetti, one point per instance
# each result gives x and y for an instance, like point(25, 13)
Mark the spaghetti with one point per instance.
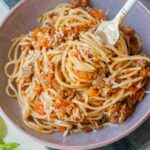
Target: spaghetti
point(66, 80)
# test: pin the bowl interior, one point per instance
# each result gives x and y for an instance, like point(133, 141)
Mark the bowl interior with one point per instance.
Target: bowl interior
point(22, 20)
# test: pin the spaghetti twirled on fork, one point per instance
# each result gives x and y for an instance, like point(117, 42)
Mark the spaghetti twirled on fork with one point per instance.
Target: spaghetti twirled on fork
point(67, 80)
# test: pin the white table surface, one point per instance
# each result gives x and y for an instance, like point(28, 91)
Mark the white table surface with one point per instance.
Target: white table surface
point(13, 134)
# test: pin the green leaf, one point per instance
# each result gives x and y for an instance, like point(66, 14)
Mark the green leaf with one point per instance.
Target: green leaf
point(3, 132)
point(8, 146)
point(2, 142)
point(3, 129)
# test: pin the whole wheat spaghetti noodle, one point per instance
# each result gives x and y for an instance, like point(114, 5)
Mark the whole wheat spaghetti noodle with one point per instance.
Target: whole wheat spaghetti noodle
point(66, 80)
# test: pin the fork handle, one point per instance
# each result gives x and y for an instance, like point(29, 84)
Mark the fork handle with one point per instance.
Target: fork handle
point(124, 11)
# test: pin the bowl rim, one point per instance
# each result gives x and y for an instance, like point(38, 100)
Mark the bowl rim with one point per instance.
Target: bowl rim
point(65, 147)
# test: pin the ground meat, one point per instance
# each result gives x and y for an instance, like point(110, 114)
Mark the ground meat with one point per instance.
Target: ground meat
point(135, 45)
point(66, 93)
point(103, 86)
point(128, 30)
point(46, 28)
point(26, 47)
point(114, 113)
point(119, 112)
point(80, 3)
point(138, 96)
point(27, 71)
point(132, 40)
point(51, 66)
point(48, 78)
point(84, 3)
point(141, 63)
point(97, 13)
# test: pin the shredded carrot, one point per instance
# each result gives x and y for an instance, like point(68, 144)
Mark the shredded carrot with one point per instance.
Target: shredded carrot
point(87, 129)
point(52, 120)
point(44, 42)
point(61, 113)
point(38, 89)
point(93, 92)
point(89, 24)
point(145, 73)
point(39, 62)
point(51, 76)
point(24, 88)
point(76, 53)
point(39, 108)
point(66, 31)
point(39, 47)
point(85, 75)
point(60, 74)
point(62, 103)
point(61, 129)
point(49, 57)
point(55, 84)
point(71, 106)
point(37, 31)
point(52, 117)
point(83, 27)
point(57, 105)
point(58, 97)
point(27, 79)
point(25, 47)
